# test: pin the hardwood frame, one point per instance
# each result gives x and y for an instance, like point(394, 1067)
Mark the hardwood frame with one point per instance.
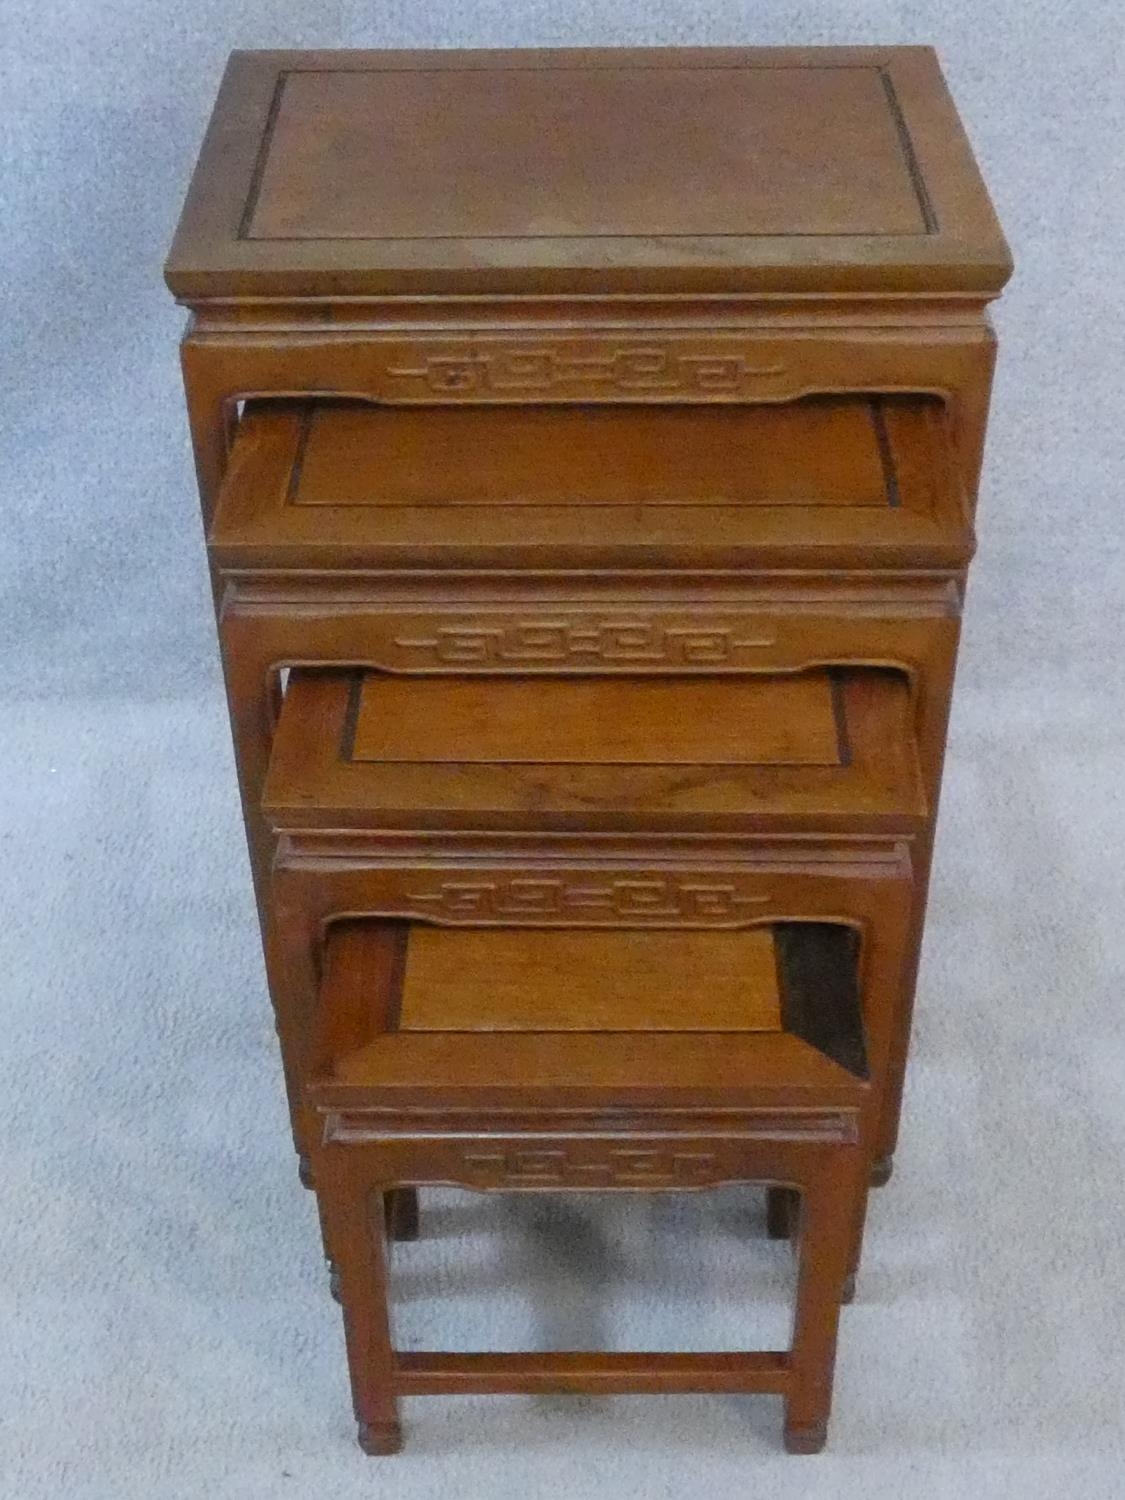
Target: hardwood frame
point(321, 880)
point(541, 767)
point(268, 624)
point(796, 1125)
point(481, 269)
point(909, 133)
point(892, 316)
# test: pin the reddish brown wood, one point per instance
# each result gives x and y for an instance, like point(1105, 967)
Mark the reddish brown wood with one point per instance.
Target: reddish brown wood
point(644, 721)
point(815, 753)
point(354, 1222)
point(562, 1111)
point(830, 482)
point(573, 883)
point(606, 1374)
point(643, 170)
point(594, 318)
point(490, 979)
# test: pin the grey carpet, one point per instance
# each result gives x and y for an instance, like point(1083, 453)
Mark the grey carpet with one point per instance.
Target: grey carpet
point(164, 1326)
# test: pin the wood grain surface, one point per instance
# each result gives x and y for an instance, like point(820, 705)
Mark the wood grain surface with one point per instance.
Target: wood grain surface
point(530, 979)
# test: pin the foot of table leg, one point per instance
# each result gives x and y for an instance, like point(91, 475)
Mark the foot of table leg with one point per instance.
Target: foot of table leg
point(379, 1437)
point(807, 1439)
point(881, 1171)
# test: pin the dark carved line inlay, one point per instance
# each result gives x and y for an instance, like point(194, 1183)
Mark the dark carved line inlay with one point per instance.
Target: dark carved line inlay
point(397, 977)
point(351, 717)
point(886, 453)
point(722, 234)
point(918, 182)
point(615, 67)
point(929, 218)
point(839, 713)
point(264, 146)
point(543, 368)
point(298, 465)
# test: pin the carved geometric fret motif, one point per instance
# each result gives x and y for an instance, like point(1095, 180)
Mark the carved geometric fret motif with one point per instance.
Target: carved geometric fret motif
point(553, 642)
point(538, 369)
point(577, 898)
point(619, 1166)
point(584, 1160)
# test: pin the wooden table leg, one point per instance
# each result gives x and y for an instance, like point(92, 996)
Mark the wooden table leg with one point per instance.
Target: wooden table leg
point(356, 1225)
point(826, 1240)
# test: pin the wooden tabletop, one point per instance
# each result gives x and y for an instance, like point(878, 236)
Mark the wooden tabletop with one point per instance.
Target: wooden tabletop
point(335, 174)
point(810, 752)
point(838, 482)
point(782, 1003)
point(545, 979)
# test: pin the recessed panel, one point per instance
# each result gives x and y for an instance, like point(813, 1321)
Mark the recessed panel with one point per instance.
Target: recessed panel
point(583, 152)
point(328, 175)
point(596, 721)
point(824, 484)
point(812, 453)
point(583, 980)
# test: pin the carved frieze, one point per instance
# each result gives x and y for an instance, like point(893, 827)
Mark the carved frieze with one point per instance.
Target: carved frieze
point(582, 898)
point(590, 1162)
point(555, 369)
point(633, 641)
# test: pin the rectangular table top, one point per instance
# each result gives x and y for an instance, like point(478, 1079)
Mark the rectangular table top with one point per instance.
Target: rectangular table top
point(849, 482)
point(509, 979)
point(761, 1017)
point(819, 751)
point(578, 721)
point(352, 173)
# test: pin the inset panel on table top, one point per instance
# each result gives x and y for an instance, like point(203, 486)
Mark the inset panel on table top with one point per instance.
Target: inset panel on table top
point(814, 453)
point(340, 174)
point(580, 721)
point(816, 750)
point(440, 153)
point(453, 1014)
point(508, 979)
point(839, 479)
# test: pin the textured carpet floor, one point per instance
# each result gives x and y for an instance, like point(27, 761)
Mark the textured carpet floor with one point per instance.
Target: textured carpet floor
point(165, 1330)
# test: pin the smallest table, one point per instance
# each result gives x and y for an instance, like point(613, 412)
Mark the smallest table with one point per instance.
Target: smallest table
point(673, 1061)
